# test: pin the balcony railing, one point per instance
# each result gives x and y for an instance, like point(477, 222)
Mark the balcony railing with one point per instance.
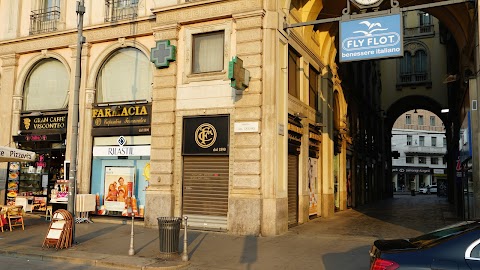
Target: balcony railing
point(44, 20)
point(409, 79)
point(424, 30)
point(120, 10)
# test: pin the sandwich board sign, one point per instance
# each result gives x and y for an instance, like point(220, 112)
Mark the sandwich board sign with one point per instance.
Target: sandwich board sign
point(371, 38)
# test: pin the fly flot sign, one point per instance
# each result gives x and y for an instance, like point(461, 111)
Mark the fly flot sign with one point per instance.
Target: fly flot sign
point(371, 38)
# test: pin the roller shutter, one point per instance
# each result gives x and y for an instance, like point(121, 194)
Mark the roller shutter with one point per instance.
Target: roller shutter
point(205, 191)
point(292, 190)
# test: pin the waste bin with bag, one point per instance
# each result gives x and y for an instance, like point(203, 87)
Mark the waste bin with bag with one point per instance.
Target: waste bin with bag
point(169, 233)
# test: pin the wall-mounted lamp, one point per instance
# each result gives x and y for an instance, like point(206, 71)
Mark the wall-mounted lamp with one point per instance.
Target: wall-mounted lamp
point(415, 111)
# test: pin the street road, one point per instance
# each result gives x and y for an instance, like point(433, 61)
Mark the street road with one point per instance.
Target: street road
point(13, 263)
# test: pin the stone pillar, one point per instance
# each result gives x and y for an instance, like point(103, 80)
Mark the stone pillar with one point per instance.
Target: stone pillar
point(10, 109)
point(245, 203)
point(160, 196)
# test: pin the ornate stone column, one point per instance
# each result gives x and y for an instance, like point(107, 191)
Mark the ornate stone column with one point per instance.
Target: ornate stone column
point(160, 196)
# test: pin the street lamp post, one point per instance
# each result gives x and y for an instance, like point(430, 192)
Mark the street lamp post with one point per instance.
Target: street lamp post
point(72, 185)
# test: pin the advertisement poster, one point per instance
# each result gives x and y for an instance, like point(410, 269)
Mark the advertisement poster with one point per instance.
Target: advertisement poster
point(119, 184)
point(12, 182)
point(312, 185)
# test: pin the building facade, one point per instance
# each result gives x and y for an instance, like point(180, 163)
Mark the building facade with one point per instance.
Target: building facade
point(418, 137)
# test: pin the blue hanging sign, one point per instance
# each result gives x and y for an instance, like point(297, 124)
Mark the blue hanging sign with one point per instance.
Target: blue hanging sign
point(371, 38)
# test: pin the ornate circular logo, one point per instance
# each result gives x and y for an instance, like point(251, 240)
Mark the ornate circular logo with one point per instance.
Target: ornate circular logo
point(205, 135)
point(98, 122)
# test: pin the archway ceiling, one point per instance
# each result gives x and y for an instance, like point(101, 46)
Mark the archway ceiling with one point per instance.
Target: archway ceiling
point(458, 18)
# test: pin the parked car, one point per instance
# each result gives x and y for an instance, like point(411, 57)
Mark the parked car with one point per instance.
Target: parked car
point(428, 189)
point(453, 247)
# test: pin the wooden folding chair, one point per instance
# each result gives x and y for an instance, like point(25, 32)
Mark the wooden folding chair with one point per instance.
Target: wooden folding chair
point(3, 218)
point(15, 216)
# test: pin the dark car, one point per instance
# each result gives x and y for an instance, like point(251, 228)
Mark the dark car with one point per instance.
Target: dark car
point(453, 247)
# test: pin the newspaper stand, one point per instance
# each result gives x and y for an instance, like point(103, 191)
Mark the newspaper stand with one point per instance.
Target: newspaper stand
point(60, 231)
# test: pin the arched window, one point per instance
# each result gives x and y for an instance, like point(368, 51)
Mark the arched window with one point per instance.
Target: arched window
point(125, 76)
point(46, 87)
point(415, 65)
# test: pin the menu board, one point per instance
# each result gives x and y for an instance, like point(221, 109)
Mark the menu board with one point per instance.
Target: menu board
point(12, 182)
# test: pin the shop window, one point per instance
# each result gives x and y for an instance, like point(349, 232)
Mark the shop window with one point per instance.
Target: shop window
point(293, 73)
point(313, 88)
point(49, 78)
point(208, 52)
point(125, 76)
point(46, 17)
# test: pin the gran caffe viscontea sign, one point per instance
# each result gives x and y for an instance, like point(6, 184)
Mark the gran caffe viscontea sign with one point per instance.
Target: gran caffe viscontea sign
point(371, 38)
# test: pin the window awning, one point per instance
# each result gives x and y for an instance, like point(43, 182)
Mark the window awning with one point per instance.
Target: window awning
point(8, 154)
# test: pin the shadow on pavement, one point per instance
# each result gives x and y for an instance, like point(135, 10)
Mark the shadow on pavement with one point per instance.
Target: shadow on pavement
point(355, 259)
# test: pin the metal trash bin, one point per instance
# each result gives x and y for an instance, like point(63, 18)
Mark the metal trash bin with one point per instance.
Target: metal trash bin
point(169, 234)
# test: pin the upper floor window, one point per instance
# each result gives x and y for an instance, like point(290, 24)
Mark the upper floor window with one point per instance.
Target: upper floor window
point(420, 120)
point(434, 160)
point(45, 18)
point(421, 140)
point(432, 121)
point(422, 160)
point(434, 141)
point(313, 88)
point(414, 66)
point(49, 78)
point(409, 159)
point(408, 119)
point(425, 19)
point(117, 10)
point(409, 139)
point(293, 73)
point(444, 142)
point(125, 76)
point(208, 52)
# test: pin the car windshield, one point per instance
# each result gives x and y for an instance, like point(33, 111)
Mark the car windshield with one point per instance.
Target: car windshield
point(444, 233)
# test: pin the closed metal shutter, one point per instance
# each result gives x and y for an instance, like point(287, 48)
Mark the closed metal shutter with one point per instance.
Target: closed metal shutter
point(292, 190)
point(205, 191)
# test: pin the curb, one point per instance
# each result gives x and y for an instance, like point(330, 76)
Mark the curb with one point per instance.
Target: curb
point(87, 258)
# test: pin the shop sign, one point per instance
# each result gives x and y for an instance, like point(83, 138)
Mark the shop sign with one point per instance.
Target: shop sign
point(121, 115)
point(206, 135)
point(246, 127)
point(119, 151)
point(371, 38)
point(38, 138)
point(43, 122)
point(12, 154)
point(413, 170)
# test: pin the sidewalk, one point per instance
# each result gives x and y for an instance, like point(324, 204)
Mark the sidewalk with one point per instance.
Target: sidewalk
point(101, 243)
point(338, 242)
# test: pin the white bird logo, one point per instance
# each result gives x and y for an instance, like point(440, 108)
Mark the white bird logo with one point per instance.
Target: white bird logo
point(370, 26)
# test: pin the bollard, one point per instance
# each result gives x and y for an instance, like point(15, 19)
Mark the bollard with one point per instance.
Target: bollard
point(185, 242)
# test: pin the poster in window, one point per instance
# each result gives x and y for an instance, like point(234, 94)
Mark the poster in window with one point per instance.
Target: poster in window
point(119, 184)
point(312, 185)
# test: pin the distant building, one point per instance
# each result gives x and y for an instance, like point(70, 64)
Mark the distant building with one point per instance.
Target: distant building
point(418, 137)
